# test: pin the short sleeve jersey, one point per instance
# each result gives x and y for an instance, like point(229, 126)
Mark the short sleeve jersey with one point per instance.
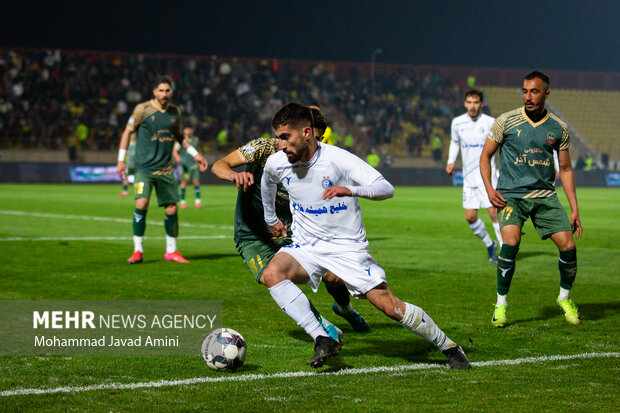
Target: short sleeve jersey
point(249, 218)
point(156, 135)
point(526, 159)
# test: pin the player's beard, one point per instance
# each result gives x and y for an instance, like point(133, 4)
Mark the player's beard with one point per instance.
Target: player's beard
point(296, 157)
point(163, 102)
point(293, 158)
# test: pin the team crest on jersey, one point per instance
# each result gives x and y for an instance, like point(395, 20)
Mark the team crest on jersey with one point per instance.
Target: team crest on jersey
point(550, 137)
point(249, 148)
point(326, 182)
point(153, 118)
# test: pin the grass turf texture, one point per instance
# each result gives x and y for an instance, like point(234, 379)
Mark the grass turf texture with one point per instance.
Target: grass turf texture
point(431, 259)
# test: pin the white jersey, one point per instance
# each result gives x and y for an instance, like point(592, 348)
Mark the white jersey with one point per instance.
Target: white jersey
point(470, 135)
point(333, 224)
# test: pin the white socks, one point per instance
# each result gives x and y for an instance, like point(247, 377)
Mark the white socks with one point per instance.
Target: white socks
point(502, 300)
point(498, 234)
point(564, 294)
point(418, 322)
point(171, 244)
point(294, 303)
point(137, 243)
point(481, 232)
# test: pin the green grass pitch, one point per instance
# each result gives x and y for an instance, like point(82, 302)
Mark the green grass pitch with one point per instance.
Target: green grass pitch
point(53, 246)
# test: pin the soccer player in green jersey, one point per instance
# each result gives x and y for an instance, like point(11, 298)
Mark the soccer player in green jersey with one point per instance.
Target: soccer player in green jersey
point(527, 137)
point(157, 124)
point(189, 168)
point(255, 243)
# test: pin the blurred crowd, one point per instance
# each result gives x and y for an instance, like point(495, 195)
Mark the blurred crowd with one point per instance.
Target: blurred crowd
point(51, 99)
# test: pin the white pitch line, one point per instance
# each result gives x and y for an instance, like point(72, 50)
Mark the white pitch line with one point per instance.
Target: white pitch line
point(107, 219)
point(108, 238)
point(254, 377)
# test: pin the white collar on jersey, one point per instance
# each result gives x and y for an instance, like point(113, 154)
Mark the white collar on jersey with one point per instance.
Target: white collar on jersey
point(312, 161)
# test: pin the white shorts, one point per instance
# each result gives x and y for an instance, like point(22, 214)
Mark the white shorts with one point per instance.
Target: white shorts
point(475, 197)
point(359, 271)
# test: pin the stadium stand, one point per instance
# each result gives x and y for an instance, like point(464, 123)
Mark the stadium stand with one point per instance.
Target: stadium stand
point(595, 115)
point(57, 100)
point(78, 102)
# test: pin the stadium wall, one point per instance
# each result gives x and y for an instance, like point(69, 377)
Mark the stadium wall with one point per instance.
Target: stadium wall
point(47, 172)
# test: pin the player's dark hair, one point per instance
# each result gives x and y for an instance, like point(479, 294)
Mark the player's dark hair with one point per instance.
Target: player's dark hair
point(320, 122)
point(162, 79)
point(537, 74)
point(293, 115)
point(474, 92)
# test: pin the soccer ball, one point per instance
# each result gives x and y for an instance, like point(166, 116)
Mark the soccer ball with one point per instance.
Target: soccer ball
point(224, 349)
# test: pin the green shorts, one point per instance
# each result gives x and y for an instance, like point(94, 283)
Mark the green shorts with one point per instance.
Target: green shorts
point(257, 254)
point(547, 214)
point(189, 173)
point(165, 185)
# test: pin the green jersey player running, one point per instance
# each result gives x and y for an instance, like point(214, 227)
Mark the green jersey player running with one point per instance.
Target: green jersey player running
point(527, 137)
point(255, 243)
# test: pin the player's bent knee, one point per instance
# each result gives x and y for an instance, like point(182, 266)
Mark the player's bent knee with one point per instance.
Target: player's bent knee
point(272, 276)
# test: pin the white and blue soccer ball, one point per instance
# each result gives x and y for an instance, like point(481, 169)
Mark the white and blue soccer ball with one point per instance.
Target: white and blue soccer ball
point(224, 349)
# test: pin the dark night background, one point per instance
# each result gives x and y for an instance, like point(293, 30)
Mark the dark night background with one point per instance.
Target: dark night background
point(569, 35)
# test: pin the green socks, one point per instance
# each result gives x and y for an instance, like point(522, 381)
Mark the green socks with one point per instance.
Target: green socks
point(568, 268)
point(171, 223)
point(139, 222)
point(506, 267)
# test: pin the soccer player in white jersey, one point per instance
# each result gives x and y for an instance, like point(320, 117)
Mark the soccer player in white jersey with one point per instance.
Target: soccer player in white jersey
point(323, 183)
point(469, 132)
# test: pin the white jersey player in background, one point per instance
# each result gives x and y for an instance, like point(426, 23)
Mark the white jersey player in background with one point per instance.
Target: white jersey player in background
point(469, 132)
point(323, 182)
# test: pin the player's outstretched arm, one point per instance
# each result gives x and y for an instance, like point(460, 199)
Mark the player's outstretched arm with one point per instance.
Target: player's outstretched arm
point(223, 169)
point(568, 182)
point(489, 149)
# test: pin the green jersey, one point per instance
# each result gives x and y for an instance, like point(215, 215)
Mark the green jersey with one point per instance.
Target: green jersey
point(156, 134)
point(526, 153)
point(186, 159)
point(249, 219)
